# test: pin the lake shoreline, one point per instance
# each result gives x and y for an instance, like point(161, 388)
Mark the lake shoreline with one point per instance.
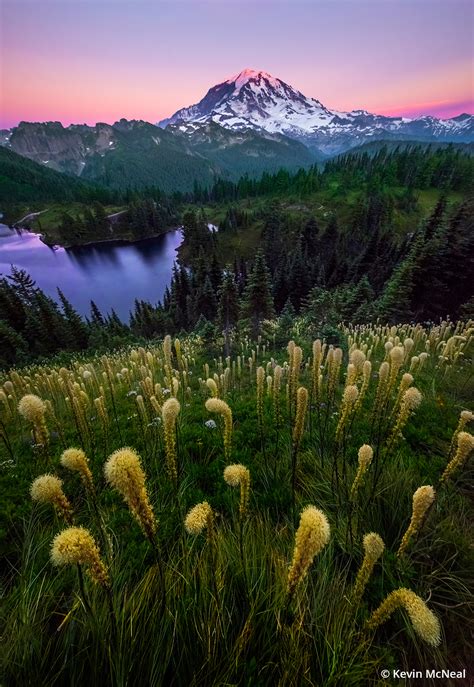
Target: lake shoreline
point(113, 241)
point(112, 273)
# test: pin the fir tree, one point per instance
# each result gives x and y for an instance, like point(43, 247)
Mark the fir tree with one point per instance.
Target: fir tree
point(77, 336)
point(228, 308)
point(97, 319)
point(258, 300)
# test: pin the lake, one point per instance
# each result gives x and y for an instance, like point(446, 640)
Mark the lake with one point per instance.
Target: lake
point(111, 274)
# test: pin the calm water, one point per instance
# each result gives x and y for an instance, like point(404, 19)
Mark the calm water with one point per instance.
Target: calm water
point(113, 275)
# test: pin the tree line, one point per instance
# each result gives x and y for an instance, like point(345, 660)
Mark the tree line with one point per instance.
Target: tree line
point(140, 219)
point(416, 167)
point(355, 269)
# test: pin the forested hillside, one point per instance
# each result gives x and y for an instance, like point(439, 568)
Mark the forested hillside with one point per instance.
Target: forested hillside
point(25, 181)
point(370, 236)
point(387, 237)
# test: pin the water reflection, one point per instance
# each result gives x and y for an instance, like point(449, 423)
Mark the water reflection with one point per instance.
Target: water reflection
point(113, 275)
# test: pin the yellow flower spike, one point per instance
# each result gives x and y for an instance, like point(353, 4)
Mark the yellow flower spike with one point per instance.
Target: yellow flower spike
point(277, 375)
point(411, 399)
point(407, 346)
point(142, 409)
point(316, 369)
point(179, 354)
point(155, 405)
point(175, 386)
point(167, 353)
point(464, 417)
point(465, 444)
point(33, 409)
point(349, 399)
point(169, 414)
point(8, 386)
point(365, 456)
point(76, 545)
point(99, 405)
point(396, 357)
point(124, 472)
point(301, 407)
point(311, 537)
point(382, 385)
point(238, 475)
point(49, 489)
point(373, 549)
point(334, 360)
point(351, 376)
point(269, 385)
point(75, 459)
point(357, 358)
point(423, 358)
point(423, 498)
point(260, 387)
point(217, 405)
point(424, 621)
point(199, 518)
point(295, 357)
point(212, 386)
point(366, 372)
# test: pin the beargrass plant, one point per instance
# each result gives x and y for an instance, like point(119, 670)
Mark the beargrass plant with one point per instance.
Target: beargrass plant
point(253, 596)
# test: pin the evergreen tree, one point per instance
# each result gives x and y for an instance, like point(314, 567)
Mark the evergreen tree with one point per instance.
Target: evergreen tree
point(76, 330)
point(23, 284)
point(258, 300)
point(13, 347)
point(206, 302)
point(97, 319)
point(395, 304)
point(228, 308)
point(299, 278)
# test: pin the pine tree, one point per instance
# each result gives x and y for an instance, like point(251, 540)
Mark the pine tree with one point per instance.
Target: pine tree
point(228, 308)
point(395, 304)
point(23, 284)
point(215, 273)
point(258, 300)
point(46, 328)
point(97, 319)
point(76, 330)
point(13, 347)
point(206, 302)
point(12, 306)
point(299, 278)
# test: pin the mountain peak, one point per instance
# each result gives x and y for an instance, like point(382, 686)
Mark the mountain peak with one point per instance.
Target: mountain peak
point(254, 99)
point(247, 75)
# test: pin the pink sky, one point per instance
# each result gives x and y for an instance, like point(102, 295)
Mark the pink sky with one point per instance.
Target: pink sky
point(100, 60)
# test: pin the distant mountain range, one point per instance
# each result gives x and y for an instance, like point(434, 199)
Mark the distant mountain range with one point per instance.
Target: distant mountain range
point(257, 101)
point(250, 123)
point(138, 154)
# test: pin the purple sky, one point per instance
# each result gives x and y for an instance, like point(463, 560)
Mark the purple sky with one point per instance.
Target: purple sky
point(99, 60)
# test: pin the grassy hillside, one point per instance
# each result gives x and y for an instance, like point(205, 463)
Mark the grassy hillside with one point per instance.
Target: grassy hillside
point(220, 595)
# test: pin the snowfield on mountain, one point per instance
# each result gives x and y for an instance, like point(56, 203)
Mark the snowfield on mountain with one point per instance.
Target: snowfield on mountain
point(257, 100)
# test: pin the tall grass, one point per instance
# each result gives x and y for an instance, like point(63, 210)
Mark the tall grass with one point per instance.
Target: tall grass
point(202, 586)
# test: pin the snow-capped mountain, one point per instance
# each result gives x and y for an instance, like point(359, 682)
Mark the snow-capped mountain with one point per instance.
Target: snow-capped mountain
point(256, 100)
